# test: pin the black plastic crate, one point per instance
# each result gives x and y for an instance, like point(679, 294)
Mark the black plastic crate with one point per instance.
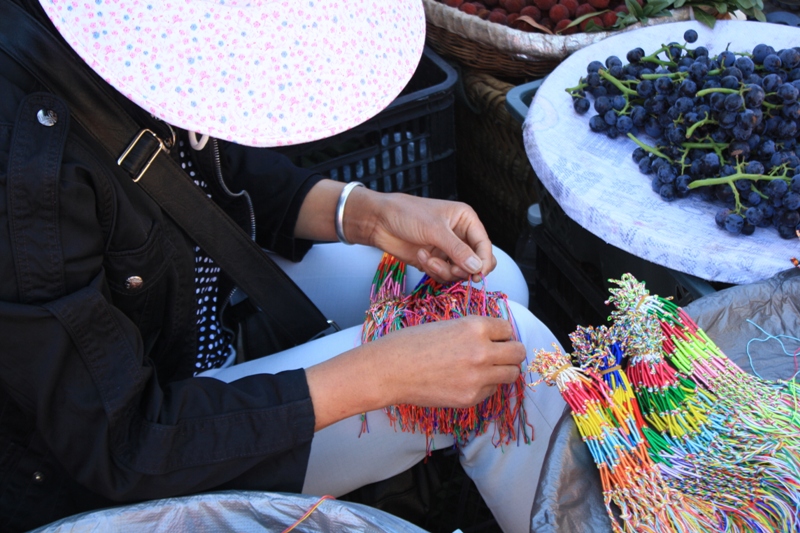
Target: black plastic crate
point(408, 147)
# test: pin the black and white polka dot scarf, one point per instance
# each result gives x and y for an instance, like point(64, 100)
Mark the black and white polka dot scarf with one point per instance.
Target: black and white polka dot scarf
point(213, 343)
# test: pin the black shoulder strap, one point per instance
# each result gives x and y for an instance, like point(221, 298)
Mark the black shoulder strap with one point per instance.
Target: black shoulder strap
point(138, 152)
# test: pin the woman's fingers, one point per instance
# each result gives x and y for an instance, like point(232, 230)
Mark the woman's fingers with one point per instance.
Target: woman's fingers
point(453, 363)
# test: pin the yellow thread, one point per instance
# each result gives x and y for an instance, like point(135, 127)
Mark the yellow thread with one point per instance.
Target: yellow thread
point(308, 513)
point(554, 375)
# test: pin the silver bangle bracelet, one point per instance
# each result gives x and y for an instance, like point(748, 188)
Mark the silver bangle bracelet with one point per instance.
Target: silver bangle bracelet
point(339, 223)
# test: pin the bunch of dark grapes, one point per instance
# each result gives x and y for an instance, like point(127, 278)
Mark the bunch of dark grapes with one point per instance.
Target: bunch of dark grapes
point(725, 128)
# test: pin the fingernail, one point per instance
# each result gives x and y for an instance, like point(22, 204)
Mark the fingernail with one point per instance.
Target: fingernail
point(473, 264)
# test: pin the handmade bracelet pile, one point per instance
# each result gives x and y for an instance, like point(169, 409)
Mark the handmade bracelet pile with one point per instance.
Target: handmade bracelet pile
point(683, 438)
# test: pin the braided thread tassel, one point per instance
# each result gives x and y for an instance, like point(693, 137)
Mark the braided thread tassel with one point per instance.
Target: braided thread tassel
point(741, 453)
point(631, 481)
point(661, 407)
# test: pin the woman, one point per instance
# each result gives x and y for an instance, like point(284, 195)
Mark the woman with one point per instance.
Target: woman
point(117, 383)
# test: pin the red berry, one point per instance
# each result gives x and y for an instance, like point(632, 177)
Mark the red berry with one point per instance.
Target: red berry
point(454, 3)
point(561, 27)
point(498, 17)
point(469, 9)
point(622, 8)
point(545, 5)
point(532, 12)
point(547, 23)
point(512, 6)
point(609, 19)
point(571, 5)
point(558, 13)
point(511, 18)
point(484, 13)
point(598, 21)
point(599, 4)
point(584, 9)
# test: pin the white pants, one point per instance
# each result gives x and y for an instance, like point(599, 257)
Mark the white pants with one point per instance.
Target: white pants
point(338, 279)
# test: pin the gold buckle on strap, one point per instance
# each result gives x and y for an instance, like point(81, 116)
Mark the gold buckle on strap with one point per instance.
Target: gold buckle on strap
point(162, 147)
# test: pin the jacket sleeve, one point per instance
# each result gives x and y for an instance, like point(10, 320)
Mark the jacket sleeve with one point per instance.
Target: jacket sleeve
point(277, 188)
point(76, 364)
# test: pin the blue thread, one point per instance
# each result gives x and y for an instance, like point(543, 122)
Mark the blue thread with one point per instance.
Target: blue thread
point(770, 337)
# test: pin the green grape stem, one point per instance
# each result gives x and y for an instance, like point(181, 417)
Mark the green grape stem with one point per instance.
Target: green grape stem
point(683, 164)
point(738, 207)
point(723, 90)
point(653, 58)
point(734, 177)
point(755, 190)
point(647, 148)
point(691, 129)
point(671, 75)
point(717, 147)
point(575, 91)
point(625, 90)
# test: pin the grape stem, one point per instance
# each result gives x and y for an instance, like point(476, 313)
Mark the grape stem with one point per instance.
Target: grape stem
point(575, 91)
point(647, 148)
point(723, 90)
point(706, 120)
point(717, 147)
point(653, 58)
point(733, 177)
point(671, 75)
point(754, 189)
point(736, 198)
point(625, 90)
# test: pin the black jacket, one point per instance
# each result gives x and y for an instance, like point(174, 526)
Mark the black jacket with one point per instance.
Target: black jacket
point(97, 402)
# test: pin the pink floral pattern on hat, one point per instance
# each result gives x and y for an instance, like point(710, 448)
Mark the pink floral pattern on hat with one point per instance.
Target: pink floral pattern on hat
point(259, 72)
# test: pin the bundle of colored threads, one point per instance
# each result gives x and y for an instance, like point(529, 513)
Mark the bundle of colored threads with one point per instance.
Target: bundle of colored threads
point(391, 309)
point(754, 458)
point(632, 483)
point(692, 458)
point(722, 440)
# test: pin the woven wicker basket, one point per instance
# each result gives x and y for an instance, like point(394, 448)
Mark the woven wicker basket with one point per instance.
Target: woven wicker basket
point(485, 58)
point(503, 51)
point(494, 174)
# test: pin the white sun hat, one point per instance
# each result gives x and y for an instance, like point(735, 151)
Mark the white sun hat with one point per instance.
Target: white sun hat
point(255, 72)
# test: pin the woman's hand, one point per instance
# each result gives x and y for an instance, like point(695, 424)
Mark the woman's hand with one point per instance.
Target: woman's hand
point(444, 239)
point(451, 363)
